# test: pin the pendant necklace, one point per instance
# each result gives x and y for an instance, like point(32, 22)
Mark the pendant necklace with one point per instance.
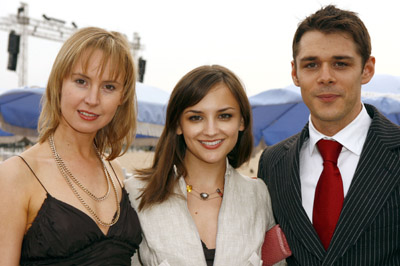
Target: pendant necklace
point(204, 195)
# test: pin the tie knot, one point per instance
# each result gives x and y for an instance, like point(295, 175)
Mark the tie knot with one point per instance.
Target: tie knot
point(329, 150)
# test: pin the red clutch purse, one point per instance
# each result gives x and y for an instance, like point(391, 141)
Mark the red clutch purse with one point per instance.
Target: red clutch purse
point(275, 247)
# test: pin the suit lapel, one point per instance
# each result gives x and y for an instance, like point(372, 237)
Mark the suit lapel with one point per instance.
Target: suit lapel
point(288, 182)
point(376, 175)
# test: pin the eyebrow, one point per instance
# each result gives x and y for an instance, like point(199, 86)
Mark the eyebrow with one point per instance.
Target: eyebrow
point(337, 57)
point(343, 57)
point(105, 81)
point(79, 74)
point(218, 111)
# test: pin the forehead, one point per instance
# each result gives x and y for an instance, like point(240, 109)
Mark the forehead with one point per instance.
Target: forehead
point(219, 96)
point(326, 45)
point(97, 63)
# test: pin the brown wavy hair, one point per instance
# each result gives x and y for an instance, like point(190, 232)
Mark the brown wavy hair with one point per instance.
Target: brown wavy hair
point(170, 151)
point(118, 135)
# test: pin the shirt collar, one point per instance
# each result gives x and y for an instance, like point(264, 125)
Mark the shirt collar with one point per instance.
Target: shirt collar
point(352, 137)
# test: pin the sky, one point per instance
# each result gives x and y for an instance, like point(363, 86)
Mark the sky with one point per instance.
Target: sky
point(250, 37)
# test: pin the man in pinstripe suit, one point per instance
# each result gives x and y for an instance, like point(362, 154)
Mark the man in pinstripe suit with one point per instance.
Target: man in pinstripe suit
point(331, 60)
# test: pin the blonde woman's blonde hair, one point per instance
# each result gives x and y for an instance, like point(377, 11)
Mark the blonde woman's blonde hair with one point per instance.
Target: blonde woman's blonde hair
point(116, 137)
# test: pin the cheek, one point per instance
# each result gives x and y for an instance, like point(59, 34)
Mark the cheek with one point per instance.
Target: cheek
point(65, 101)
point(233, 129)
point(233, 140)
point(189, 140)
point(69, 96)
point(189, 131)
point(121, 99)
point(355, 95)
point(112, 103)
point(306, 94)
point(116, 104)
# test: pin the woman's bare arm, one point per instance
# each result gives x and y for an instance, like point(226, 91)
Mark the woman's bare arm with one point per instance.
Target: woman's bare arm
point(14, 202)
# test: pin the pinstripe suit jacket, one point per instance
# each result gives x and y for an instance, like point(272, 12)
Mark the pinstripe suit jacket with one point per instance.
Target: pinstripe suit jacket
point(368, 230)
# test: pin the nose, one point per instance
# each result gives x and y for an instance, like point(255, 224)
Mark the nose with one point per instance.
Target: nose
point(92, 96)
point(211, 127)
point(326, 75)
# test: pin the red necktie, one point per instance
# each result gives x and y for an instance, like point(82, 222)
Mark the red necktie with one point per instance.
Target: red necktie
point(328, 200)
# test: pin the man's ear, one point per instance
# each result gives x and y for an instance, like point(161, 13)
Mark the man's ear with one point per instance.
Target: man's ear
point(369, 70)
point(294, 74)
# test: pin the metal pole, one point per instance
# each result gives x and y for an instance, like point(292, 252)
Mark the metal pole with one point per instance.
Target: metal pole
point(23, 22)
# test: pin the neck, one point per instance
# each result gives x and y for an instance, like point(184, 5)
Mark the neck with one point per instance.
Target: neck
point(207, 177)
point(77, 144)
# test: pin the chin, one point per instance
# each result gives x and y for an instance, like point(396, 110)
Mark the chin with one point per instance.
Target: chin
point(215, 160)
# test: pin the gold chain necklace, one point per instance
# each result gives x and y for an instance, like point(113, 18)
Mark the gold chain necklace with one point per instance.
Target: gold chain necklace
point(66, 173)
point(204, 195)
point(76, 181)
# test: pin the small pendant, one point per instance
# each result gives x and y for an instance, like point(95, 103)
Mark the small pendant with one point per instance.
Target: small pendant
point(220, 192)
point(204, 196)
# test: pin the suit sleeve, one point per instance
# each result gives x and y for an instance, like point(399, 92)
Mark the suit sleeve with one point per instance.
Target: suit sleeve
point(262, 167)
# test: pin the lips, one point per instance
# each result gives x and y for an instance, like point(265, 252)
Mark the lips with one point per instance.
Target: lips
point(86, 115)
point(328, 97)
point(211, 144)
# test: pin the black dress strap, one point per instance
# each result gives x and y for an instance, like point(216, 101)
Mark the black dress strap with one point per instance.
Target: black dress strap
point(22, 158)
point(119, 182)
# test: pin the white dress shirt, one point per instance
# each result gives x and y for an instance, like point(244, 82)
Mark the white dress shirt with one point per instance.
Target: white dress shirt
point(352, 137)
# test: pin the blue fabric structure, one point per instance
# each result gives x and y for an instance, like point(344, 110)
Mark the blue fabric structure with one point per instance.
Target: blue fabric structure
point(277, 113)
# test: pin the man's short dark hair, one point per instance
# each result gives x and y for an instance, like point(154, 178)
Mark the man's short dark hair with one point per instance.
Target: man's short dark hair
point(330, 19)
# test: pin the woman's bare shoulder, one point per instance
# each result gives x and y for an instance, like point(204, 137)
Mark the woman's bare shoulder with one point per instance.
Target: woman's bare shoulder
point(12, 170)
point(17, 169)
point(116, 165)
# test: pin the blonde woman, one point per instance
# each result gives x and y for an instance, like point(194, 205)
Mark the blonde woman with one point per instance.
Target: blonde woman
point(62, 200)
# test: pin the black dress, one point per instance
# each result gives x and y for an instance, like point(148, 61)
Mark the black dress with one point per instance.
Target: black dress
point(64, 235)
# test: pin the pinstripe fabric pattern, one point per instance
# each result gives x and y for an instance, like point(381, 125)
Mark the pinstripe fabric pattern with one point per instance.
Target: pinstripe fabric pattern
point(368, 230)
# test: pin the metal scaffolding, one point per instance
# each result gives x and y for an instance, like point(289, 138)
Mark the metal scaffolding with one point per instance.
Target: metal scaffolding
point(48, 28)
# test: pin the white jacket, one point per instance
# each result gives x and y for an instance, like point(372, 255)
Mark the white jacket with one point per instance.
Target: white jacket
point(170, 236)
